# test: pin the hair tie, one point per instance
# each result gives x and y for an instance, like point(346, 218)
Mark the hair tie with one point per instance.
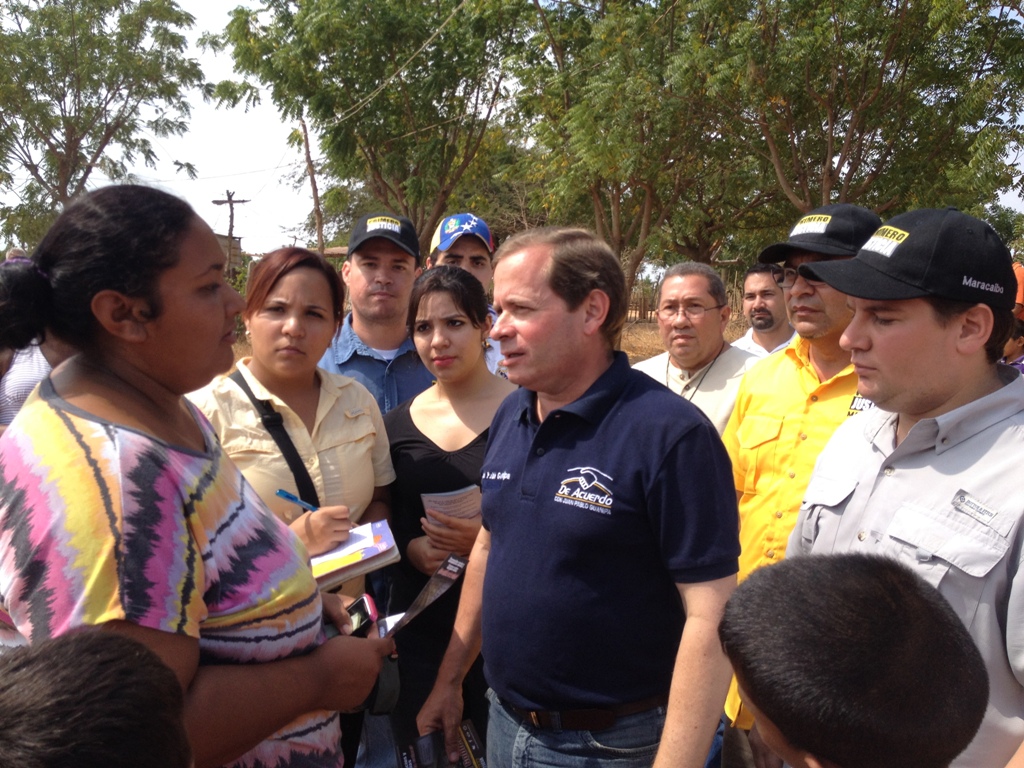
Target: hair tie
point(23, 260)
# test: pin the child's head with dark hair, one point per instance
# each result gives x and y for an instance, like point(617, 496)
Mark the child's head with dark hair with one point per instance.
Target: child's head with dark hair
point(118, 238)
point(854, 661)
point(90, 699)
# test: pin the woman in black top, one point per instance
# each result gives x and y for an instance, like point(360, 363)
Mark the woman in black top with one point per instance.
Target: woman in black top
point(437, 446)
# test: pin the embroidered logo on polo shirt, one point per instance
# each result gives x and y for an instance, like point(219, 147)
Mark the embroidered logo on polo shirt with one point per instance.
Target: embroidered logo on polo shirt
point(588, 489)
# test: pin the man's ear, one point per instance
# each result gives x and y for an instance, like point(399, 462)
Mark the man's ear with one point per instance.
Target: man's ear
point(975, 327)
point(596, 307)
point(123, 317)
point(346, 268)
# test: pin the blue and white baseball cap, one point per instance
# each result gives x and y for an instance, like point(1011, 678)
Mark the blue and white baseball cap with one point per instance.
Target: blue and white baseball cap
point(453, 227)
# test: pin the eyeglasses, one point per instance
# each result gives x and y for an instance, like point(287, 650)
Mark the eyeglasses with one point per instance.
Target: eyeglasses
point(787, 277)
point(692, 311)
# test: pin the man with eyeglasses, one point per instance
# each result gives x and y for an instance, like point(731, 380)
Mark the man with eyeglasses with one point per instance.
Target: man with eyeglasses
point(787, 408)
point(698, 364)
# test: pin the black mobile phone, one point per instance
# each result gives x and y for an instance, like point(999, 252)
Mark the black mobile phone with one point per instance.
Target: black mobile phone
point(363, 612)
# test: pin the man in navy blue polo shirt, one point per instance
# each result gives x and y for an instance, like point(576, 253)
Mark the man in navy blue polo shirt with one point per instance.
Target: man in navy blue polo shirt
point(609, 543)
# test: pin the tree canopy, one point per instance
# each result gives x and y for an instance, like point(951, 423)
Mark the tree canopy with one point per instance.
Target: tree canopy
point(677, 130)
point(892, 104)
point(84, 82)
point(400, 94)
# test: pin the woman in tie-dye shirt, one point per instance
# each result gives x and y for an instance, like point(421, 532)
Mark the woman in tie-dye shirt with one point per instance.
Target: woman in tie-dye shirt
point(119, 509)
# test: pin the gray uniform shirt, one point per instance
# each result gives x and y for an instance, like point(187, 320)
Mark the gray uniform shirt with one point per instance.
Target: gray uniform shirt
point(948, 502)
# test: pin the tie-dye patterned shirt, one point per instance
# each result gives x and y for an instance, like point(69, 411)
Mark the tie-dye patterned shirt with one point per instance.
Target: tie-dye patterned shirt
point(100, 522)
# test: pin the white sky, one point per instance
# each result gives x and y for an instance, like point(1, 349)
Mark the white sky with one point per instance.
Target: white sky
point(244, 152)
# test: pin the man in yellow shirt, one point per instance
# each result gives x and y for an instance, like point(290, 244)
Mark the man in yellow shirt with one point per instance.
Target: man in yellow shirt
point(787, 408)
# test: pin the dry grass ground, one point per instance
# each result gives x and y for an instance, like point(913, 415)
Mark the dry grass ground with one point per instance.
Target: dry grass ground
point(641, 340)
point(242, 348)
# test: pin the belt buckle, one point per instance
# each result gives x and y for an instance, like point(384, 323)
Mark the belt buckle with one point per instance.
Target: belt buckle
point(534, 720)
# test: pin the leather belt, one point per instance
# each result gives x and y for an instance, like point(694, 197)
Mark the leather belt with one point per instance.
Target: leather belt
point(585, 719)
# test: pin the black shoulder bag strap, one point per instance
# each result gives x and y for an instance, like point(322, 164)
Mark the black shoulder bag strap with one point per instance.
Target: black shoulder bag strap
point(273, 422)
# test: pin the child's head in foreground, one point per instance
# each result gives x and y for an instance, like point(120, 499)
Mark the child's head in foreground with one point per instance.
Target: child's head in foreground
point(853, 661)
point(90, 699)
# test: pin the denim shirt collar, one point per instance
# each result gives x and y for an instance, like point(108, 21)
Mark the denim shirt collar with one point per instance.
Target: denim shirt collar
point(346, 343)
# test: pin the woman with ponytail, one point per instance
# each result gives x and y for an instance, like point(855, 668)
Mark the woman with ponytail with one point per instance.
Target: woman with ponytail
point(119, 510)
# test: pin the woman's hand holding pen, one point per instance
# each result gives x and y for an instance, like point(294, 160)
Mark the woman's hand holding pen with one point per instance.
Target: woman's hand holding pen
point(323, 530)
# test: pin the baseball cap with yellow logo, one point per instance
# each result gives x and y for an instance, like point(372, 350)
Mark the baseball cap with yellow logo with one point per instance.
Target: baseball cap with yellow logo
point(397, 229)
point(831, 230)
point(927, 252)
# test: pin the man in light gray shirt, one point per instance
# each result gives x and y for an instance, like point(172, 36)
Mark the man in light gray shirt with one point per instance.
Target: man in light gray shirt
point(931, 476)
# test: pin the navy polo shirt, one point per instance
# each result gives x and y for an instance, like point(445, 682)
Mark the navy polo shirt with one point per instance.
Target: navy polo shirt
point(595, 515)
point(390, 381)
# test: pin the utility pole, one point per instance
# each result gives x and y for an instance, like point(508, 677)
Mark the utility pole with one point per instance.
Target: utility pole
point(230, 203)
point(318, 211)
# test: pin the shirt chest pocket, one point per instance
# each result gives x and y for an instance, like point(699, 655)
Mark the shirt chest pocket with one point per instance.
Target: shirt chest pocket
point(250, 441)
point(822, 508)
point(348, 446)
point(758, 440)
point(354, 426)
point(951, 550)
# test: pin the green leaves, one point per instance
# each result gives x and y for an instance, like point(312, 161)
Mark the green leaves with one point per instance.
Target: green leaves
point(400, 93)
point(694, 129)
point(883, 104)
point(84, 81)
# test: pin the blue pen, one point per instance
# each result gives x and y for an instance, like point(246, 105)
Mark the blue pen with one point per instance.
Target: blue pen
point(295, 499)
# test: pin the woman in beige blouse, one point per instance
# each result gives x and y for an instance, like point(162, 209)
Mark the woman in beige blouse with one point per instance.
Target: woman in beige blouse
point(294, 302)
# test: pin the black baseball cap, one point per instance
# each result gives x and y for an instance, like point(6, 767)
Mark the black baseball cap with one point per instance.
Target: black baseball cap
point(927, 252)
point(831, 230)
point(398, 229)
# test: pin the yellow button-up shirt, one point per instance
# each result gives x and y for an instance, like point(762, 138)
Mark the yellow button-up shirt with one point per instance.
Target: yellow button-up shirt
point(347, 454)
point(783, 417)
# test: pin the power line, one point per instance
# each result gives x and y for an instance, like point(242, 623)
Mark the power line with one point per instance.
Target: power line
point(351, 112)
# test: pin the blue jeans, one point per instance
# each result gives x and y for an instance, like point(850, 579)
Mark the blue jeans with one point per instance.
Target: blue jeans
point(715, 754)
point(631, 743)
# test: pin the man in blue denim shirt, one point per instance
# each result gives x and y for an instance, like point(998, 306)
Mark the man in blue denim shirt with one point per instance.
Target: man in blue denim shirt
point(373, 345)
